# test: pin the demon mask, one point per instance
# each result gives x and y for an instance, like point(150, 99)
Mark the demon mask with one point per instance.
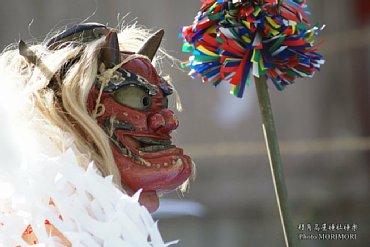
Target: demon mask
point(137, 120)
point(133, 111)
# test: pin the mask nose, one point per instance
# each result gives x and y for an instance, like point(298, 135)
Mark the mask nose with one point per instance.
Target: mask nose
point(163, 121)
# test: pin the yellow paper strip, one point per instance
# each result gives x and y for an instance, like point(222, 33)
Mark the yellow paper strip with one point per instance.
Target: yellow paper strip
point(247, 24)
point(272, 23)
point(261, 64)
point(246, 39)
point(205, 51)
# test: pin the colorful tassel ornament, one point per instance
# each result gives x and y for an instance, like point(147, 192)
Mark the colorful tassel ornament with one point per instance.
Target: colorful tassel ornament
point(232, 40)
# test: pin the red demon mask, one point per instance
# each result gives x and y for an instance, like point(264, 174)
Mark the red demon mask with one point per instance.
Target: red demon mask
point(138, 122)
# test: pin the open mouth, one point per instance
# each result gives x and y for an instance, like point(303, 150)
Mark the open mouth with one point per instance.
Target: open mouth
point(150, 145)
point(146, 147)
point(139, 145)
point(151, 163)
point(147, 160)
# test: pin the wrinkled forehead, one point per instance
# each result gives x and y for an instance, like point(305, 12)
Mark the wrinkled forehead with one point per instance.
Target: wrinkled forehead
point(144, 69)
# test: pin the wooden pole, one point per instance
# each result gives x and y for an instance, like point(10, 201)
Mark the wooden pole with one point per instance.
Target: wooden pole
point(273, 151)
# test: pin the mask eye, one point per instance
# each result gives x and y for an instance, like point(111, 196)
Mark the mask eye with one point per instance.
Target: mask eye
point(133, 97)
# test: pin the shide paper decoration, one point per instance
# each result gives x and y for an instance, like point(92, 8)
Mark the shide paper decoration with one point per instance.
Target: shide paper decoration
point(233, 40)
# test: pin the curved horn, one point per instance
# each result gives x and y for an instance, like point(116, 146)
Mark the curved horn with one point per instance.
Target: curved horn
point(31, 57)
point(27, 53)
point(109, 53)
point(151, 46)
point(83, 32)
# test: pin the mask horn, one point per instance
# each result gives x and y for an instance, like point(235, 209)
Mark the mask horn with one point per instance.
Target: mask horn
point(27, 53)
point(109, 53)
point(151, 46)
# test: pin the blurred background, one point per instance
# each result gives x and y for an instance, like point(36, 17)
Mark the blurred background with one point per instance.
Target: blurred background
point(323, 124)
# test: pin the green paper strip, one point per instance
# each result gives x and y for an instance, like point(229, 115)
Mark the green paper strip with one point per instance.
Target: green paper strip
point(302, 26)
point(184, 65)
point(187, 48)
point(248, 82)
point(256, 56)
point(205, 58)
point(218, 39)
point(291, 73)
point(277, 44)
point(215, 16)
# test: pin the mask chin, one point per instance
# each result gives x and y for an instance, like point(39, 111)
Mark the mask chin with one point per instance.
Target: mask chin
point(150, 200)
point(161, 174)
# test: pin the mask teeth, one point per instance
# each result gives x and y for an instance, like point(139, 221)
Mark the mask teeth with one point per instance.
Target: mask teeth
point(144, 162)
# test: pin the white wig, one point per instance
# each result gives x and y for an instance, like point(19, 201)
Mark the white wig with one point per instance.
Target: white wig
point(57, 101)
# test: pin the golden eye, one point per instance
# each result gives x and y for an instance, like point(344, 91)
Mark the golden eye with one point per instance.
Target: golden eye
point(133, 97)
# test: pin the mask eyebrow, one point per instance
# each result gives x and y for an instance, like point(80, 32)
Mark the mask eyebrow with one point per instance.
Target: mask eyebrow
point(166, 87)
point(122, 77)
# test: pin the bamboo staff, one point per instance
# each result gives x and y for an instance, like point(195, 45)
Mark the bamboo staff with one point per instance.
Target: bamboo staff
point(273, 152)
